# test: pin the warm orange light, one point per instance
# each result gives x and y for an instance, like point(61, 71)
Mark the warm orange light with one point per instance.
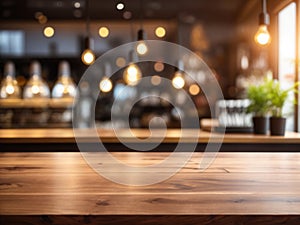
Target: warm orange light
point(178, 81)
point(262, 36)
point(103, 32)
point(10, 89)
point(132, 74)
point(42, 19)
point(88, 57)
point(141, 48)
point(160, 32)
point(77, 5)
point(159, 66)
point(194, 89)
point(105, 85)
point(49, 32)
point(35, 89)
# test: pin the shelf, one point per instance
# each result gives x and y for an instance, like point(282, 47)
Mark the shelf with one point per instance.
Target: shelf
point(36, 103)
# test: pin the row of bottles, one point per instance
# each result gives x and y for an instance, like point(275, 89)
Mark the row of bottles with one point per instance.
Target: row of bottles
point(36, 87)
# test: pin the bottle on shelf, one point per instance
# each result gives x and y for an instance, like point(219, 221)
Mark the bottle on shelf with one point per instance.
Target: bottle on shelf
point(9, 87)
point(83, 112)
point(36, 87)
point(64, 86)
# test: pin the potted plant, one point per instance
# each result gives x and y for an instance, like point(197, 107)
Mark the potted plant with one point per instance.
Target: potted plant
point(278, 98)
point(259, 106)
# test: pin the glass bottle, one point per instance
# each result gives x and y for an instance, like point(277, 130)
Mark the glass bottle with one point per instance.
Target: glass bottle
point(9, 86)
point(83, 113)
point(36, 87)
point(64, 86)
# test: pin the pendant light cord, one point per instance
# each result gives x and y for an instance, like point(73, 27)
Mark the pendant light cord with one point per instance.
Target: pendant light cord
point(178, 33)
point(141, 14)
point(87, 19)
point(264, 18)
point(264, 6)
point(131, 31)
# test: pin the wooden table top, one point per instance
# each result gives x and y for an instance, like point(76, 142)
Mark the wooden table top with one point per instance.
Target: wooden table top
point(109, 136)
point(236, 183)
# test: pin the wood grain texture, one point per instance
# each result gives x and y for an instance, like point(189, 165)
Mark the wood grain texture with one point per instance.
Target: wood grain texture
point(109, 136)
point(235, 184)
point(238, 188)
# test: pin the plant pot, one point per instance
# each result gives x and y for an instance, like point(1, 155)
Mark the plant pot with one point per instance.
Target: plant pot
point(260, 125)
point(277, 126)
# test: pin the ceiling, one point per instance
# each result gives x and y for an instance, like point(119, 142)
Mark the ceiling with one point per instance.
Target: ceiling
point(186, 10)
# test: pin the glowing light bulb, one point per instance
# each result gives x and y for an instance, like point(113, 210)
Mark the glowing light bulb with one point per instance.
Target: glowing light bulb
point(88, 57)
point(69, 90)
point(105, 85)
point(49, 32)
point(160, 32)
point(77, 5)
point(262, 36)
point(35, 89)
point(120, 6)
point(10, 89)
point(132, 74)
point(244, 62)
point(159, 66)
point(42, 19)
point(178, 81)
point(103, 32)
point(194, 89)
point(64, 87)
point(141, 48)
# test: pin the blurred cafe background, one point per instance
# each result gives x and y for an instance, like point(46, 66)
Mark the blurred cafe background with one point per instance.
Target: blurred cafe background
point(46, 46)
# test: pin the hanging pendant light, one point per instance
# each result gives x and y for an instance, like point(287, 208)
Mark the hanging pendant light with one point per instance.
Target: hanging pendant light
point(141, 47)
point(64, 87)
point(36, 86)
point(88, 56)
point(262, 36)
point(132, 74)
point(106, 85)
point(178, 81)
point(9, 87)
